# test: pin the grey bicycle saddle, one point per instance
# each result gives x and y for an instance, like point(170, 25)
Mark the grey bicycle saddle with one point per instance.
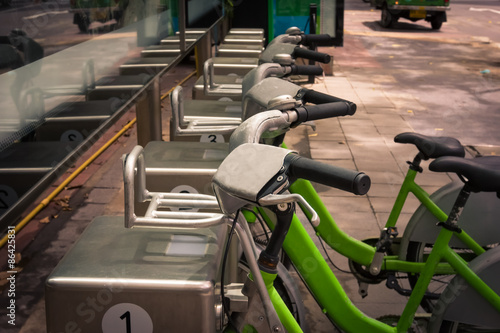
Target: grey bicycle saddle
point(432, 146)
point(482, 174)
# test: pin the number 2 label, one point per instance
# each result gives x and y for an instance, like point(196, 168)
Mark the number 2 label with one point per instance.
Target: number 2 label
point(217, 138)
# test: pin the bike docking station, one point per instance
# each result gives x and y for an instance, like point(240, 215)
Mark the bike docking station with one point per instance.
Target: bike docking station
point(145, 274)
point(73, 121)
point(190, 117)
point(223, 77)
point(162, 269)
point(139, 278)
point(163, 265)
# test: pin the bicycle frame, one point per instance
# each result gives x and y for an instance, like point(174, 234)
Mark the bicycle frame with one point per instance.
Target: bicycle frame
point(335, 303)
point(363, 253)
point(304, 254)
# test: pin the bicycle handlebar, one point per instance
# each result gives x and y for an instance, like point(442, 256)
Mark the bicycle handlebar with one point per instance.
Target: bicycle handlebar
point(300, 52)
point(346, 180)
point(316, 97)
point(323, 111)
point(317, 40)
point(306, 70)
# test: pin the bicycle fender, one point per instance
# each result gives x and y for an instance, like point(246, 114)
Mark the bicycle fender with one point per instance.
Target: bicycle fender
point(460, 302)
point(479, 218)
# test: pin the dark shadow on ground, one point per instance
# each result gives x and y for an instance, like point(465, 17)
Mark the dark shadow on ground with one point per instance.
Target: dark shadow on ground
point(401, 27)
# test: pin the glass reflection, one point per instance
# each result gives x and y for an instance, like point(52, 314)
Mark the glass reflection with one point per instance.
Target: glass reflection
point(54, 55)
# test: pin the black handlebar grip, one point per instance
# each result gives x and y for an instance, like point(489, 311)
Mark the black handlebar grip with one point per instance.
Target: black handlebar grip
point(315, 97)
point(300, 52)
point(317, 40)
point(324, 111)
point(306, 70)
point(344, 179)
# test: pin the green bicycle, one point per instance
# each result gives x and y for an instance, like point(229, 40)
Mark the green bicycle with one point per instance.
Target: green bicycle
point(264, 186)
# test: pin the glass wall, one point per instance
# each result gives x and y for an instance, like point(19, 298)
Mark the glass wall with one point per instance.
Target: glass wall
point(52, 55)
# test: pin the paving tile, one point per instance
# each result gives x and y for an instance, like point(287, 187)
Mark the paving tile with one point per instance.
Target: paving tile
point(392, 131)
point(88, 212)
point(356, 221)
point(363, 134)
point(385, 177)
point(356, 121)
point(329, 150)
point(348, 204)
point(384, 190)
point(372, 95)
point(384, 205)
point(101, 195)
point(429, 178)
point(326, 136)
point(388, 165)
point(401, 223)
point(394, 120)
point(373, 156)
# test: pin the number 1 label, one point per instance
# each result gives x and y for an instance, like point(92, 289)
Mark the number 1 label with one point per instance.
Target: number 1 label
point(126, 318)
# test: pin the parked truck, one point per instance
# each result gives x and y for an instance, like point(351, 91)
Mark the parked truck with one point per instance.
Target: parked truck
point(433, 11)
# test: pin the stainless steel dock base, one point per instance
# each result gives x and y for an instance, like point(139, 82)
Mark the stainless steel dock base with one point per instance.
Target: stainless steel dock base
point(202, 121)
point(74, 121)
point(149, 65)
point(173, 165)
point(137, 280)
point(117, 86)
point(161, 51)
point(234, 66)
point(244, 39)
point(180, 167)
point(148, 104)
point(239, 51)
point(23, 164)
point(222, 80)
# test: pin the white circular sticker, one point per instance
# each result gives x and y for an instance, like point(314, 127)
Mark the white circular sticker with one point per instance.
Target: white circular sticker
point(126, 318)
point(8, 196)
point(184, 189)
point(71, 135)
point(217, 138)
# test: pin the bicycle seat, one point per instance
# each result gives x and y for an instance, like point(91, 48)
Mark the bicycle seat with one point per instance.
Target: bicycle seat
point(432, 146)
point(481, 173)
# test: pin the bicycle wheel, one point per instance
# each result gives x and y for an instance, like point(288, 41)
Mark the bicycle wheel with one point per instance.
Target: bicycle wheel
point(463, 309)
point(456, 327)
point(418, 252)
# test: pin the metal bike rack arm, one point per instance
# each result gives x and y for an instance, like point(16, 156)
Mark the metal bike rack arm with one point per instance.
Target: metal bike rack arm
point(134, 179)
point(199, 126)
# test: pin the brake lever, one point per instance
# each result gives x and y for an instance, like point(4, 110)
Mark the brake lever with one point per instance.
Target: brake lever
point(275, 199)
